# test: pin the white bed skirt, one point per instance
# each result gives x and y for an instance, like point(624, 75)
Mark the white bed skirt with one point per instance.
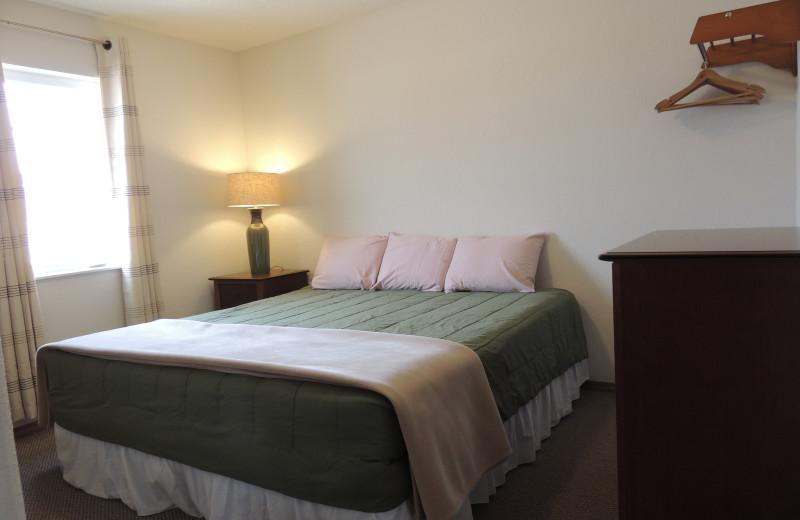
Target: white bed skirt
point(150, 484)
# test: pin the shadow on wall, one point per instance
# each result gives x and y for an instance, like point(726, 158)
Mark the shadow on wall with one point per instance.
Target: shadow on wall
point(593, 299)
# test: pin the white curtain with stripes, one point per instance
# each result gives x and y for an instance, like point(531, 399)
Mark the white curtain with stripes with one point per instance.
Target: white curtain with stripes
point(140, 277)
point(20, 315)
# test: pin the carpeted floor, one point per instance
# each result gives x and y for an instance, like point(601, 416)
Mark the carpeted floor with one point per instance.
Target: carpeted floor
point(573, 478)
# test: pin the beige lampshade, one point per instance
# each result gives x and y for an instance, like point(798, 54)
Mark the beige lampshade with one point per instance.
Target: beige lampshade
point(253, 189)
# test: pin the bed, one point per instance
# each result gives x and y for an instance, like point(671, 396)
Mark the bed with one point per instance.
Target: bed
point(236, 445)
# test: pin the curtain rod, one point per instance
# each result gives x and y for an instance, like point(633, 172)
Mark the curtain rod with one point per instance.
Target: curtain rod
point(106, 44)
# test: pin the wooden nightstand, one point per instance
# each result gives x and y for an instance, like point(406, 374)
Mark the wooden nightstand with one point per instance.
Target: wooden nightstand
point(235, 289)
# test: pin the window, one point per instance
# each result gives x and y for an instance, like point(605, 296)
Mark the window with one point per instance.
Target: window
point(59, 136)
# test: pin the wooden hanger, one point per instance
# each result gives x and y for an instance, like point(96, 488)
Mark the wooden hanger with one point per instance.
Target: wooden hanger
point(738, 92)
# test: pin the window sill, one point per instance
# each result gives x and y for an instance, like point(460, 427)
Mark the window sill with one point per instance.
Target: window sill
point(77, 272)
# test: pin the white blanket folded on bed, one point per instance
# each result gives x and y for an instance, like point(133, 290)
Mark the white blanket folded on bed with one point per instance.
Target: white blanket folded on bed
point(444, 405)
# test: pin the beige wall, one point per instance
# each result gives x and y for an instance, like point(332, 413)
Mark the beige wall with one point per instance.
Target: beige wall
point(191, 120)
point(467, 117)
point(11, 497)
point(437, 116)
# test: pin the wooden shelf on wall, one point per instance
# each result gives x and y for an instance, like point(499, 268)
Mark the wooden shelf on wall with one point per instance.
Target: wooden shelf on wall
point(767, 33)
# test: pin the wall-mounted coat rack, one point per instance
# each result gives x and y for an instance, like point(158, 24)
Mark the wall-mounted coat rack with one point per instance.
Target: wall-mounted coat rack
point(767, 33)
point(770, 32)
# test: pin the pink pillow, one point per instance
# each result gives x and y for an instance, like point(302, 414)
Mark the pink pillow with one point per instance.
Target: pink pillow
point(495, 264)
point(415, 262)
point(349, 263)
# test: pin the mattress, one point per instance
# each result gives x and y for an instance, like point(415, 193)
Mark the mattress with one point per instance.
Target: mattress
point(316, 442)
point(149, 484)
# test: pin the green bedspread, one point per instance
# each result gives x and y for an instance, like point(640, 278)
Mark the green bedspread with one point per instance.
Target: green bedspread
point(524, 340)
point(328, 444)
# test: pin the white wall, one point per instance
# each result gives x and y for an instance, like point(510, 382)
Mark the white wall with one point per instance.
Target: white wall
point(470, 117)
point(12, 506)
point(437, 116)
point(191, 120)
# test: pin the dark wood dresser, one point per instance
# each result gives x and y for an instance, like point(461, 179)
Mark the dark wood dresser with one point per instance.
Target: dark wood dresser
point(707, 354)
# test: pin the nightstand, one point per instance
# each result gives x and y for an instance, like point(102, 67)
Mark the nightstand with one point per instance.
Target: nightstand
point(235, 289)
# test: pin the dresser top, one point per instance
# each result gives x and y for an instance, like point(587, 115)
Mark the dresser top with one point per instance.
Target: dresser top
point(777, 241)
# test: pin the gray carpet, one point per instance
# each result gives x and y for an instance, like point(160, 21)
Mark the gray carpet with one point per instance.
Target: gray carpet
point(573, 478)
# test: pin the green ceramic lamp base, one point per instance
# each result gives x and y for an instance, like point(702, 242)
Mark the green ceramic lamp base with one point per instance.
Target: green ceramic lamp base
point(258, 244)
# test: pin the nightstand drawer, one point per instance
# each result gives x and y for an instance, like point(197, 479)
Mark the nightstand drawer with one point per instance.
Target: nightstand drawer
point(235, 289)
point(231, 295)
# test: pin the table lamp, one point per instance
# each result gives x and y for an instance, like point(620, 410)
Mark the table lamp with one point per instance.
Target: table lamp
point(255, 190)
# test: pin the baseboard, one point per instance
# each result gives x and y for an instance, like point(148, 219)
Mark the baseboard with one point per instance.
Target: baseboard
point(599, 386)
